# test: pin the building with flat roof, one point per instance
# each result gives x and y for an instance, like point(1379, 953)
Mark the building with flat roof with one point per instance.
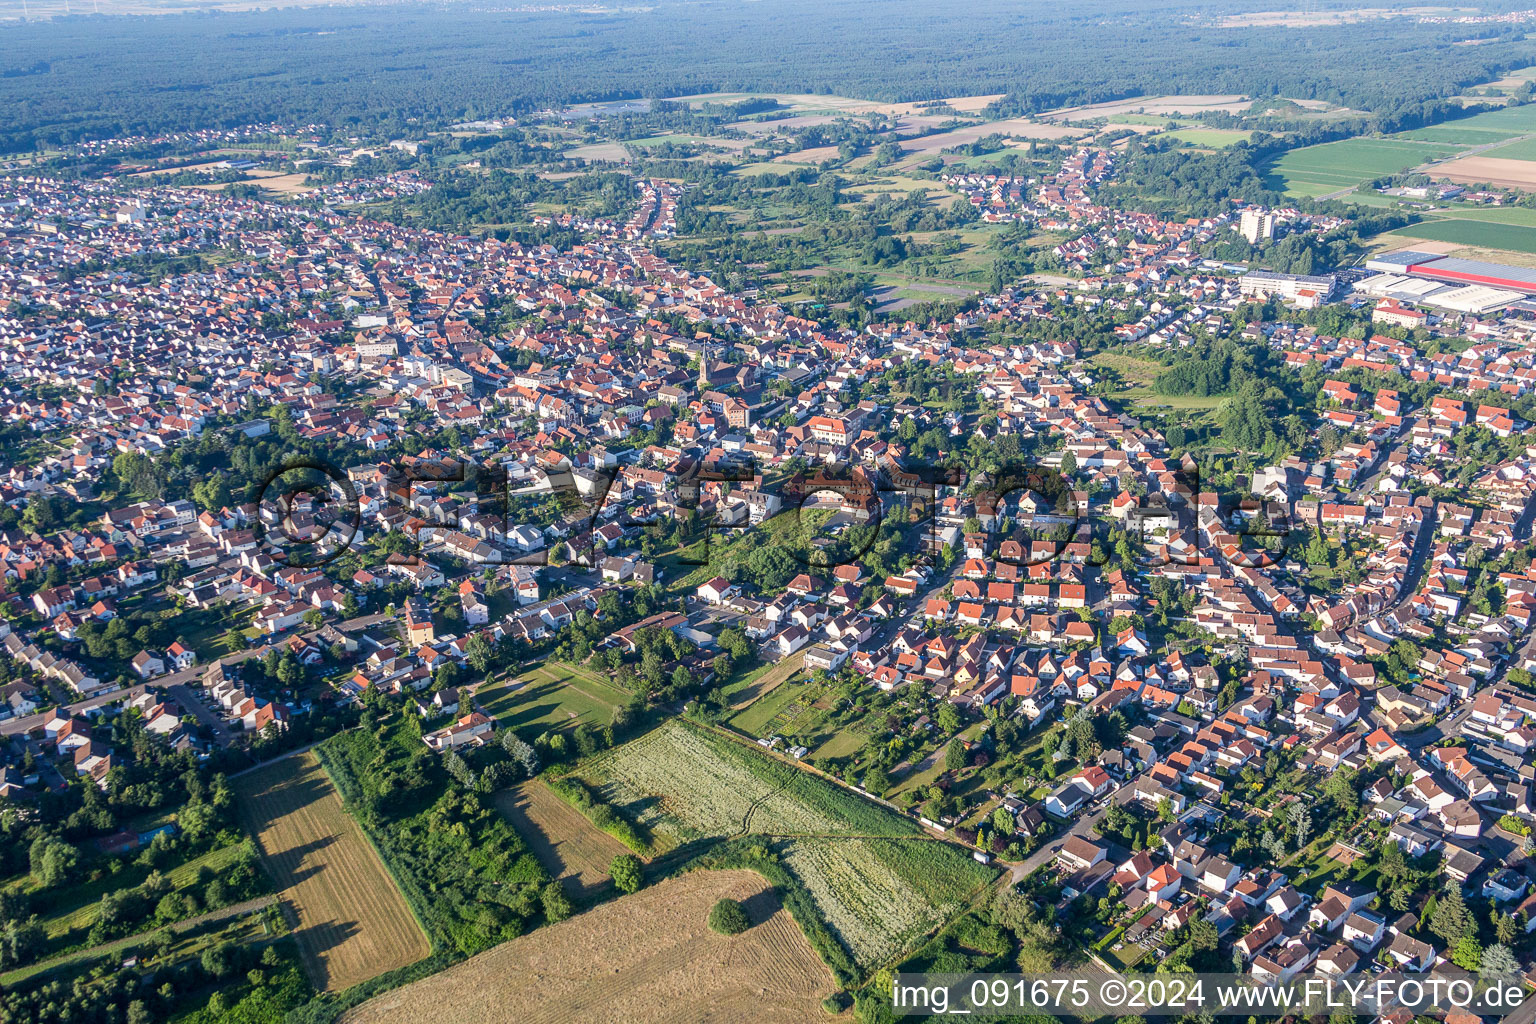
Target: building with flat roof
point(1456, 271)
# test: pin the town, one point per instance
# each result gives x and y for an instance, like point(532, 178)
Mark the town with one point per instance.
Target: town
point(768, 544)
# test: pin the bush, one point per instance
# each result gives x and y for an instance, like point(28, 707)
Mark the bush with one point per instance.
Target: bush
point(1511, 823)
point(727, 918)
point(573, 792)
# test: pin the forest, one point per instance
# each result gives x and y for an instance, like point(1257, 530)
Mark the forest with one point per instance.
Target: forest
point(410, 65)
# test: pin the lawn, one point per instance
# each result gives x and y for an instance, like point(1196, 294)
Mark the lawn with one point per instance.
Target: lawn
point(1513, 237)
point(1318, 170)
point(553, 695)
point(839, 744)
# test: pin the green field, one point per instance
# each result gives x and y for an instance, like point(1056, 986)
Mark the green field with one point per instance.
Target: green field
point(551, 696)
point(1510, 120)
point(1467, 232)
point(1523, 149)
point(1319, 170)
point(1212, 138)
point(1457, 135)
point(1519, 215)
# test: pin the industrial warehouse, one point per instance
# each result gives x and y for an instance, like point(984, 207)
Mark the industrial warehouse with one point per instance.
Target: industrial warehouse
point(1446, 282)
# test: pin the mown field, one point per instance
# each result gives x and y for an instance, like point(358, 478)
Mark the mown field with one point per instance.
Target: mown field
point(570, 847)
point(1319, 170)
point(876, 879)
point(353, 923)
point(553, 695)
point(645, 959)
point(763, 681)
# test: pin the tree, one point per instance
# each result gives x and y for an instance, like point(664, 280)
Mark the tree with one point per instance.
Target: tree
point(1301, 822)
point(954, 756)
point(1002, 821)
point(1451, 920)
point(1467, 953)
point(1498, 961)
point(523, 755)
point(557, 905)
point(479, 653)
point(728, 918)
point(876, 780)
point(51, 860)
point(625, 870)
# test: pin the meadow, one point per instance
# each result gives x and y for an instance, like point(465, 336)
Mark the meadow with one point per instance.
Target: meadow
point(879, 896)
point(353, 924)
point(1209, 138)
point(682, 783)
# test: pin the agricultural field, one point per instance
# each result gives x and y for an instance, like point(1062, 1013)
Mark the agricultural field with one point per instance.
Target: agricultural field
point(662, 965)
point(874, 876)
point(353, 924)
point(880, 895)
point(570, 847)
point(1520, 149)
point(1512, 237)
point(1518, 215)
point(1511, 120)
point(1457, 134)
point(1321, 170)
point(681, 783)
point(600, 151)
point(552, 695)
point(1496, 171)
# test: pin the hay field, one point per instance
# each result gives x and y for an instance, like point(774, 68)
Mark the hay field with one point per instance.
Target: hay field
point(644, 959)
point(569, 846)
point(353, 924)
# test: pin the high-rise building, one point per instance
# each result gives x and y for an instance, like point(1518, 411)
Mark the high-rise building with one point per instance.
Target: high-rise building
point(1255, 226)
